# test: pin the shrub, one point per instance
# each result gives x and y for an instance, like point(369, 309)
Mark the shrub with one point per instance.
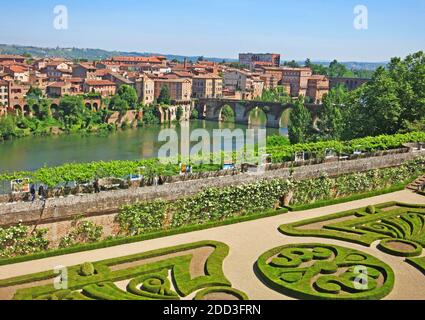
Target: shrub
point(371, 209)
point(87, 269)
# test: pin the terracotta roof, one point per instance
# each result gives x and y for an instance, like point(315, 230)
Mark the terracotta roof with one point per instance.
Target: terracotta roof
point(207, 76)
point(183, 74)
point(17, 68)
point(75, 80)
point(57, 84)
point(87, 66)
point(11, 56)
point(99, 83)
point(137, 59)
point(102, 72)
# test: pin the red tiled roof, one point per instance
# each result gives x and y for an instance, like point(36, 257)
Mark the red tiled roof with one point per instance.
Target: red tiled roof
point(137, 59)
point(17, 68)
point(102, 72)
point(57, 84)
point(99, 83)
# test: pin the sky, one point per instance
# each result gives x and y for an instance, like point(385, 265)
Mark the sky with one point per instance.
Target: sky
point(297, 29)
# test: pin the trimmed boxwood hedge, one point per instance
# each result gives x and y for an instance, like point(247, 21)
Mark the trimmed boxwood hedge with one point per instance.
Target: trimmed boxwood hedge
point(385, 247)
point(100, 284)
point(418, 263)
point(352, 230)
point(313, 271)
point(236, 293)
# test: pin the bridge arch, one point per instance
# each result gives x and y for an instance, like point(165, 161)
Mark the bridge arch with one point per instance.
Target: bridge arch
point(284, 118)
point(227, 114)
point(258, 117)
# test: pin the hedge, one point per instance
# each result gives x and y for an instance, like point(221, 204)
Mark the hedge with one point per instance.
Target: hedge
point(100, 284)
point(354, 197)
point(404, 222)
point(226, 290)
point(311, 271)
point(418, 263)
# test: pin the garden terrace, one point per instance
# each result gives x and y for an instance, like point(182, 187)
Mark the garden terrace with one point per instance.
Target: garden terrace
point(165, 274)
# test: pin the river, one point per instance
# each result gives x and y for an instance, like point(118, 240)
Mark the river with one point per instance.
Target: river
point(31, 153)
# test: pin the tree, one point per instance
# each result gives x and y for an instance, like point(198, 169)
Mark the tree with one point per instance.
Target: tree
point(179, 113)
point(300, 122)
point(34, 93)
point(338, 70)
point(150, 115)
point(164, 96)
point(119, 104)
point(331, 122)
point(276, 95)
point(308, 63)
point(7, 127)
point(129, 95)
point(291, 64)
point(71, 111)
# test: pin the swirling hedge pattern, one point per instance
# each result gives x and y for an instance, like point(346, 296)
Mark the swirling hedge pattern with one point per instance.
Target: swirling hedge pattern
point(400, 227)
point(317, 271)
point(167, 278)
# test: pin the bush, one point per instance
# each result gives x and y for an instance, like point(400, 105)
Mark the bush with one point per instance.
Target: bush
point(87, 269)
point(81, 232)
point(18, 240)
point(371, 209)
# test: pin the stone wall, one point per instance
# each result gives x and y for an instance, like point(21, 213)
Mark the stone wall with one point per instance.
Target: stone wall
point(108, 203)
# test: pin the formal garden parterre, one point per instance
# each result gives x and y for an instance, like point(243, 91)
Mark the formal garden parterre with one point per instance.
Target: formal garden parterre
point(398, 228)
point(317, 271)
point(165, 274)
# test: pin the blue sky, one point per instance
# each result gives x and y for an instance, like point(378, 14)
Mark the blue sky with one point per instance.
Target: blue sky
point(319, 29)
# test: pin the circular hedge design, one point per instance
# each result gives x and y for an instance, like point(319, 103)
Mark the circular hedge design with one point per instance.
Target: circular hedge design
point(221, 293)
point(318, 271)
point(400, 247)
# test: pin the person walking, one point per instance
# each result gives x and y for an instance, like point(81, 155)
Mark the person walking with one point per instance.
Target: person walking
point(96, 186)
point(32, 192)
point(41, 194)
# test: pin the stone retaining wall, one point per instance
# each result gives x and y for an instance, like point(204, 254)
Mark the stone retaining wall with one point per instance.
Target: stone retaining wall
point(59, 209)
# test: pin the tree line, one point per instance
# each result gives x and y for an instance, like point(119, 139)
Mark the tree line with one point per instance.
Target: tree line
point(392, 102)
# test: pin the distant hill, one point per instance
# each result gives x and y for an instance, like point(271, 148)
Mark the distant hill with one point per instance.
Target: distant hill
point(352, 65)
point(99, 54)
point(89, 54)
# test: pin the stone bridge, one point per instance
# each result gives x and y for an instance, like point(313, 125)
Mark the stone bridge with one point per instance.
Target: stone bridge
point(22, 108)
point(211, 109)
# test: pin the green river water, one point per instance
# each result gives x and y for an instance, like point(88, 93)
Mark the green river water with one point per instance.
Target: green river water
point(31, 153)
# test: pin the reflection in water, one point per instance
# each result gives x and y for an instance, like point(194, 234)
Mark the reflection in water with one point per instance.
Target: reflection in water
point(31, 153)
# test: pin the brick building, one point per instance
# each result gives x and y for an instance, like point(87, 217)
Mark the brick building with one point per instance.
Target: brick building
point(180, 89)
point(317, 87)
point(250, 60)
point(145, 88)
point(103, 87)
point(4, 97)
point(207, 86)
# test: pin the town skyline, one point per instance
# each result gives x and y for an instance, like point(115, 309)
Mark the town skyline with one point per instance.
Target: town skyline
point(208, 33)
